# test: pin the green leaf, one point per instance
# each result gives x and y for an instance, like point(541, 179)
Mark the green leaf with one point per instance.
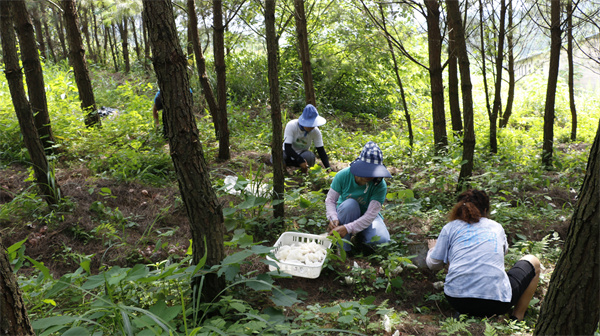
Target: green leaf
point(237, 258)
point(40, 266)
point(14, 247)
point(238, 306)
point(47, 322)
point(76, 331)
point(284, 298)
point(346, 319)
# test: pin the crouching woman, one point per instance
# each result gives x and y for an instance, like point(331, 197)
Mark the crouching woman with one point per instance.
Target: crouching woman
point(474, 247)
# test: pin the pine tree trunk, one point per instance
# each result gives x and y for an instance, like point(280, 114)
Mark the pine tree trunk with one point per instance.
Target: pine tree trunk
point(33, 73)
point(135, 39)
point(13, 314)
point(39, 31)
point(207, 89)
point(555, 45)
point(398, 79)
point(466, 170)
point(14, 76)
point(201, 203)
point(219, 53)
point(124, 32)
point(86, 33)
point(434, 39)
point(510, 98)
point(498, 83)
point(80, 69)
point(453, 91)
point(572, 303)
point(571, 70)
point(276, 149)
point(50, 49)
point(58, 23)
point(302, 33)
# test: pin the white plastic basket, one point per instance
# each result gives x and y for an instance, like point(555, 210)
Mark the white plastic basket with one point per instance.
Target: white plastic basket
point(296, 269)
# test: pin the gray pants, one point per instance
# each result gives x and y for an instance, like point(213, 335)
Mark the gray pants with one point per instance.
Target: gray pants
point(305, 154)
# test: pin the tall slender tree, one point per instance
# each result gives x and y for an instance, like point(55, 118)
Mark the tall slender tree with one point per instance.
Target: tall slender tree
point(571, 75)
point(207, 89)
point(466, 170)
point(277, 140)
point(79, 64)
point(572, 304)
point(434, 41)
point(303, 50)
point(453, 82)
point(510, 97)
point(219, 54)
point(43, 172)
point(497, 105)
point(33, 73)
point(203, 208)
point(553, 67)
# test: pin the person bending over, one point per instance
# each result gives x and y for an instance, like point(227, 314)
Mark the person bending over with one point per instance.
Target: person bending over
point(356, 196)
point(299, 136)
point(474, 247)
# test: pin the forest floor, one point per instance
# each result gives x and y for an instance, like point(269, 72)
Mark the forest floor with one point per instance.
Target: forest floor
point(154, 216)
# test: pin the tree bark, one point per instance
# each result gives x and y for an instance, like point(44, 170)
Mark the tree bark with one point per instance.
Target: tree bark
point(302, 33)
point(80, 69)
point(572, 304)
point(112, 42)
point(49, 42)
point(124, 32)
point(13, 313)
point(453, 91)
point(277, 140)
point(498, 84)
point(434, 39)
point(571, 70)
point(60, 30)
point(466, 170)
point(219, 54)
point(207, 89)
point(398, 79)
point(43, 174)
point(86, 33)
point(33, 74)
point(555, 45)
point(510, 98)
point(201, 203)
point(39, 31)
point(135, 39)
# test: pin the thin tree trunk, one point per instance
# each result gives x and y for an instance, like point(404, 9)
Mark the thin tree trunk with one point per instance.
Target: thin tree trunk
point(453, 91)
point(96, 39)
point(486, 90)
point(39, 31)
point(146, 44)
point(201, 203)
point(555, 40)
point(398, 79)
point(80, 69)
point(124, 31)
point(277, 140)
point(113, 46)
point(572, 304)
point(498, 84)
point(51, 52)
point(135, 39)
point(466, 170)
point(302, 33)
point(511, 70)
point(434, 39)
point(43, 173)
point(58, 21)
point(571, 70)
point(207, 89)
point(219, 54)
point(86, 33)
point(33, 74)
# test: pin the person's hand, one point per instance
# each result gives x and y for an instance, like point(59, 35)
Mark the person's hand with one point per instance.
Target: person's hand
point(341, 229)
point(333, 224)
point(431, 243)
point(304, 167)
point(330, 169)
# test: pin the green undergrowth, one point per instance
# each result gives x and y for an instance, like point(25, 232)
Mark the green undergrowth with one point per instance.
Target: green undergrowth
point(156, 298)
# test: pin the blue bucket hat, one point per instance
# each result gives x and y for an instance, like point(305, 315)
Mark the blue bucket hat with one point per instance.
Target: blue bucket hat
point(310, 117)
point(370, 162)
